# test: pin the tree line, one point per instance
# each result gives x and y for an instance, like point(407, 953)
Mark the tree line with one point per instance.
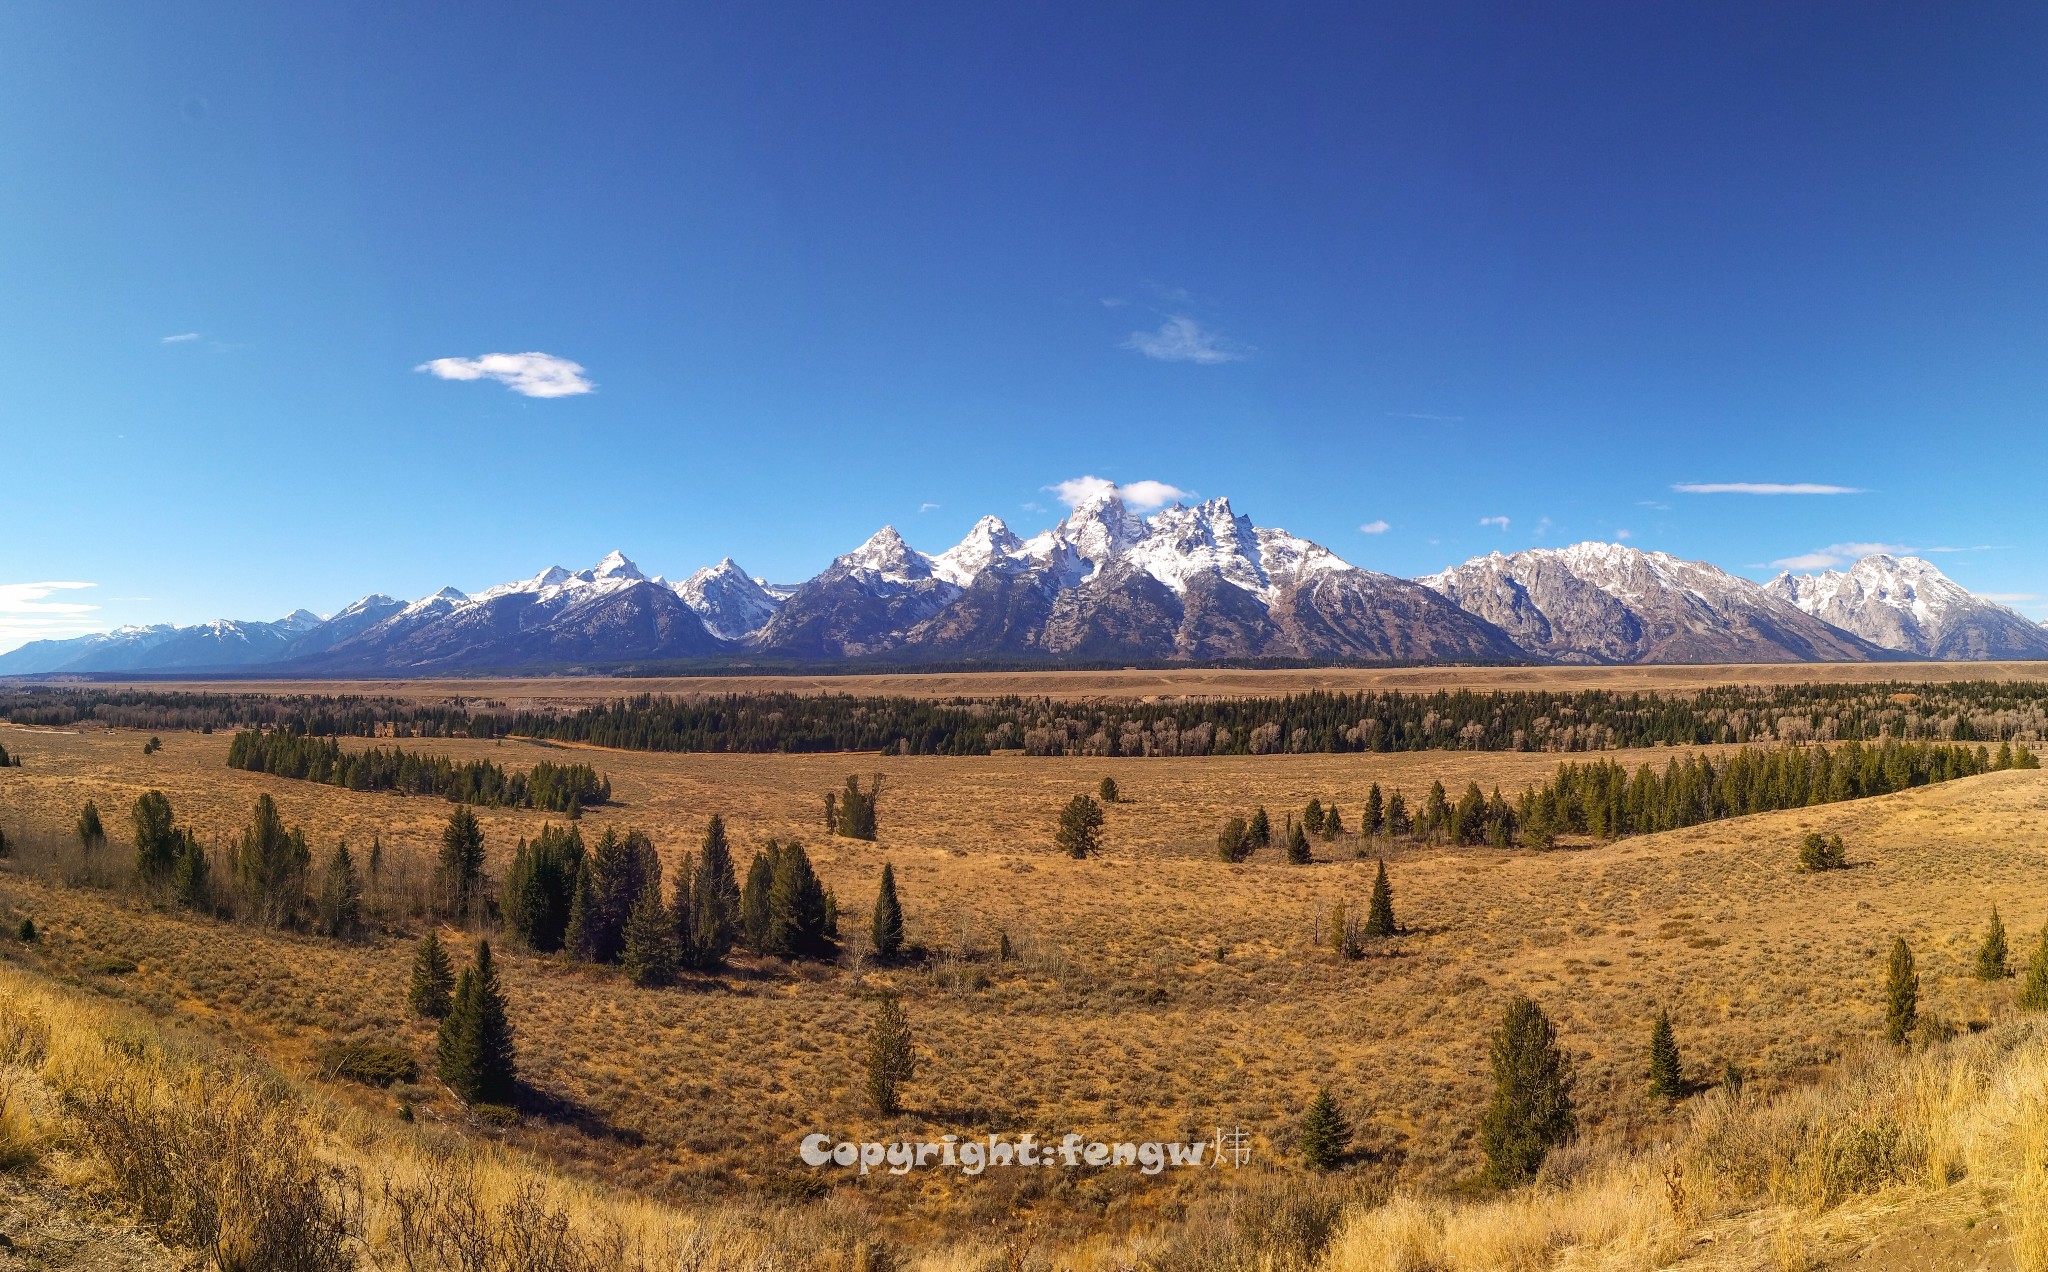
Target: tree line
point(1320, 721)
point(560, 788)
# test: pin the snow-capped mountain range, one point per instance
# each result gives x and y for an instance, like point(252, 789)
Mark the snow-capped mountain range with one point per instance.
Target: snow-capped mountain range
point(1191, 583)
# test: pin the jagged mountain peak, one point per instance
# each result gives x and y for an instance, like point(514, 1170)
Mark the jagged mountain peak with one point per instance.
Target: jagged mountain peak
point(986, 543)
point(732, 603)
point(886, 554)
point(616, 565)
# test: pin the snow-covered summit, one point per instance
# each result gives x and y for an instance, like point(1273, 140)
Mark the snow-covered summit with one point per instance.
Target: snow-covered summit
point(1905, 603)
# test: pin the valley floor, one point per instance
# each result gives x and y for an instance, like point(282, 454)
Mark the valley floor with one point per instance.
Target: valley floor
point(1156, 990)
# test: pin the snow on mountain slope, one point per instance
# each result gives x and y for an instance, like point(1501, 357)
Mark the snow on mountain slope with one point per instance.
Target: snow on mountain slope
point(1905, 603)
point(1610, 603)
point(731, 602)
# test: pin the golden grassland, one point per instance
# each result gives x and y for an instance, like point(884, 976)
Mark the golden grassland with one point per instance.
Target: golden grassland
point(1157, 992)
point(1170, 682)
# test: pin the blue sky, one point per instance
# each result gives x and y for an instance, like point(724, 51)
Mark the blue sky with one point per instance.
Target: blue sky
point(1417, 267)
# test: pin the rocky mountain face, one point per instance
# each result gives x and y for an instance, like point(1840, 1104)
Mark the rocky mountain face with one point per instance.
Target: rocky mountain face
point(1904, 603)
point(1105, 584)
point(1609, 603)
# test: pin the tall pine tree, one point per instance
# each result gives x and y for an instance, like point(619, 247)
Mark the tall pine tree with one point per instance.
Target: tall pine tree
point(474, 1053)
point(432, 978)
point(886, 929)
point(1379, 914)
point(715, 901)
point(1667, 1080)
point(1531, 1110)
point(650, 954)
point(1325, 1133)
point(1901, 994)
point(460, 876)
point(1992, 954)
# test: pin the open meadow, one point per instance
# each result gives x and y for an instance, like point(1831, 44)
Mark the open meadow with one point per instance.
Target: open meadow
point(1155, 991)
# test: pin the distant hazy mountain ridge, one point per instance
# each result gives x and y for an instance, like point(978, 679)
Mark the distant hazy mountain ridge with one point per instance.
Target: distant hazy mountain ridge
point(1189, 583)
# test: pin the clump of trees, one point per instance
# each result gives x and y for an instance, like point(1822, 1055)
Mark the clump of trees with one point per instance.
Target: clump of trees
point(785, 910)
point(8, 761)
point(560, 788)
point(1603, 799)
point(1822, 852)
point(92, 835)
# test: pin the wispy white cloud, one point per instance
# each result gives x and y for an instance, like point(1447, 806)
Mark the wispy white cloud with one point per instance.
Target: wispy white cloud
point(1374, 527)
point(1182, 339)
point(1623, 536)
point(2012, 598)
point(926, 507)
point(27, 612)
point(539, 375)
point(1847, 553)
point(180, 338)
point(1762, 488)
point(1140, 495)
point(1501, 522)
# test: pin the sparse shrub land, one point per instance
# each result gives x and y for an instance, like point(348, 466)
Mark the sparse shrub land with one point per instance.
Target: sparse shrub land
point(606, 992)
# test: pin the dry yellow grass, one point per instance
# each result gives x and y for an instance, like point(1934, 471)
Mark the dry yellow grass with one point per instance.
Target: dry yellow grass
point(1159, 990)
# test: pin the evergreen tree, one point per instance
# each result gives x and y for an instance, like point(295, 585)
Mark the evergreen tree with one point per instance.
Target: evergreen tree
point(540, 888)
point(431, 978)
point(269, 865)
point(1379, 914)
point(460, 876)
point(886, 929)
point(1992, 954)
point(891, 1057)
point(157, 840)
point(715, 896)
point(340, 906)
point(376, 857)
point(1344, 932)
point(754, 911)
point(1080, 828)
point(1297, 846)
point(189, 876)
point(831, 813)
point(1531, 1109)
point(1108, 792)
point(1901, 994)
point(474, 1053)
point(1325, 1133)
point(650, 955)
point(1261, 829)
point(1822, 852)
point(584, 937)
point(1234, 842)
point(1397, 815)
point(1667, 1082)
point(92, 836)
point(2034, 990)
point(1375, 812)
point(620, 868)
point(6, 846)
point(682, 913)
point(1436, 812)
point(1312, 817)
point(1333, 822)
point(857, 808)
point(796, 906)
